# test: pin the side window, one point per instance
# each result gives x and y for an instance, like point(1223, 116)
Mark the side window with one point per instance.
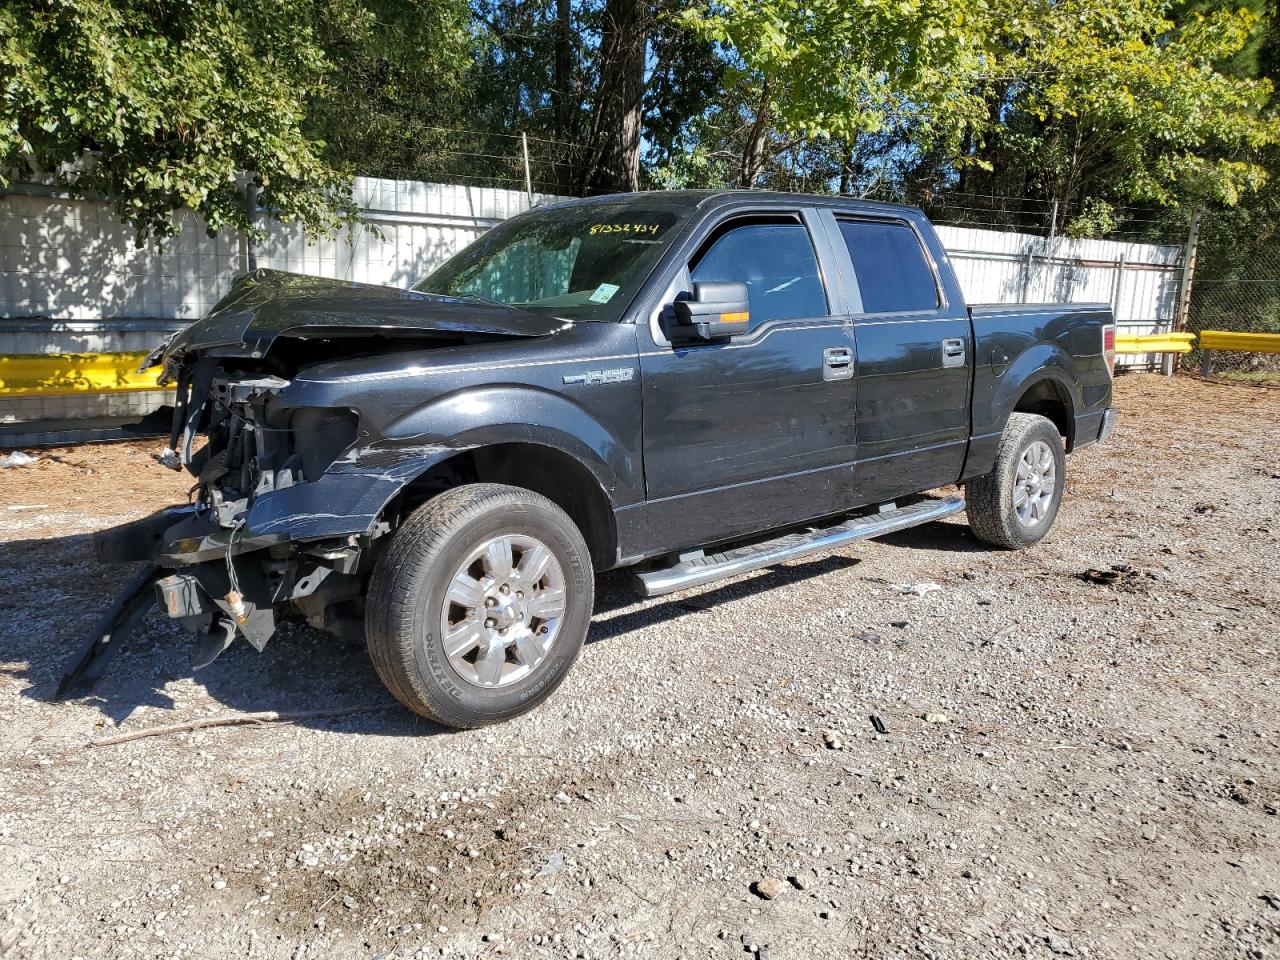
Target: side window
point(777, 263)
point(893, 274)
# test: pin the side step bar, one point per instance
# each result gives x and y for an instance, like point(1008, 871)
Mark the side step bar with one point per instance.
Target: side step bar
point(694, 571)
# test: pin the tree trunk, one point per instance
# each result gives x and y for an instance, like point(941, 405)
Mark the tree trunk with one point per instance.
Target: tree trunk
point(615, 123)
point(753, 153)
point(846, 169)
point(561, 93)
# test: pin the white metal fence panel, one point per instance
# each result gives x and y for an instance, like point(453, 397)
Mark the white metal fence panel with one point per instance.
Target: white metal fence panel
point(72, 279)
point(1139, 280)
point(72, 260)
point(406, 229)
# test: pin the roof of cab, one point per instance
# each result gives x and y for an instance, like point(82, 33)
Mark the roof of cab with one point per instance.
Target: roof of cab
point(717, 198)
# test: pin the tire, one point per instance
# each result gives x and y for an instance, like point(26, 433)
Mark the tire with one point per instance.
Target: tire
point(450, 549)
point(1015, 513)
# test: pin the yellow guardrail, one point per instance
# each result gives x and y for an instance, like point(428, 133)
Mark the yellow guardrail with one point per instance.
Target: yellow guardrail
point(1247, 342)
point(1156, 343)
point(67, 374)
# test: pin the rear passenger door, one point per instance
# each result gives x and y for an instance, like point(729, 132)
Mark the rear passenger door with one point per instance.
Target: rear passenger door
point(914, 359)
point(754, 432)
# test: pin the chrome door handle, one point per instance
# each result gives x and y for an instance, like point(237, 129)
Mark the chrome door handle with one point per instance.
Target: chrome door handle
point(837, 363)
point(953, 352)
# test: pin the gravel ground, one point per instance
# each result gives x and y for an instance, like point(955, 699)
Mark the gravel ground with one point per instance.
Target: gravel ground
point(1098, 774)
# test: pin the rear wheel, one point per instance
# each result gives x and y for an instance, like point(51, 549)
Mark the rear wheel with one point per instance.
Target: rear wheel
point(1015, 505)
point(479, 605)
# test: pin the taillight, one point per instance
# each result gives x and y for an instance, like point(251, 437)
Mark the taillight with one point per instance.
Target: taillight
point(1109, 346)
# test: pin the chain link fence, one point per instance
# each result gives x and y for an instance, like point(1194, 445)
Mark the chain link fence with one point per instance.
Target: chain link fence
point(1237, 289)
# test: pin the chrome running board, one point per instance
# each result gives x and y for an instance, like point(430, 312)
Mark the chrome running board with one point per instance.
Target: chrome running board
point(696, 570)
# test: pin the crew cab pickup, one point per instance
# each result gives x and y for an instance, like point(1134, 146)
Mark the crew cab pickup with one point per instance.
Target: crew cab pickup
point(689, 384)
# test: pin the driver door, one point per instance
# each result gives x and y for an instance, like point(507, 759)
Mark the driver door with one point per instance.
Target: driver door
point(757, 431)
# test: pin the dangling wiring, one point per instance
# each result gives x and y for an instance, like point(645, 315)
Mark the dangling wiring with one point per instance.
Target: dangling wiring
point(235, 599)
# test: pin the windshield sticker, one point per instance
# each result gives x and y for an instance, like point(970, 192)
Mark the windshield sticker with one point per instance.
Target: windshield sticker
point(604, 293)
point(640, 229)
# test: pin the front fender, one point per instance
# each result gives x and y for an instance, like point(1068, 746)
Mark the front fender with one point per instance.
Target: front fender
point(350, 496)
point(488, 415)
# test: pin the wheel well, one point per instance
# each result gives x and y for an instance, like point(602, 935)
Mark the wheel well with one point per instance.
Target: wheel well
point(1050, 399)
point(556, 475)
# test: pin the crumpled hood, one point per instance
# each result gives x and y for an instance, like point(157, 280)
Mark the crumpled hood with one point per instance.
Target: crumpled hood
point(266, 304)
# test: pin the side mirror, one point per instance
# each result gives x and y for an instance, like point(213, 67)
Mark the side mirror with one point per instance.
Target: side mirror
point(718, 310)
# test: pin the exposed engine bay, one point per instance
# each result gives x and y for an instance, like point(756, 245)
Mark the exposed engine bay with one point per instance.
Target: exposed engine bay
point(289, 494)
point(227, 578)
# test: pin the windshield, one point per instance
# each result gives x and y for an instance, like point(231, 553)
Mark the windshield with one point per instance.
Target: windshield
point(579, 262)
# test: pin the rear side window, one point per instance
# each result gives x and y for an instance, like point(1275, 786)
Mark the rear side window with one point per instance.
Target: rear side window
point(893, 274)
point(777, 263)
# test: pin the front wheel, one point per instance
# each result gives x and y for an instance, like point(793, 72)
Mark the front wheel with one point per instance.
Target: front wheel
point(479, 605)
point(1015, 505)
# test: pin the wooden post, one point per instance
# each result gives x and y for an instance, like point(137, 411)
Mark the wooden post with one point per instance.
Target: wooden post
point(1184, 291)
point(528, 175)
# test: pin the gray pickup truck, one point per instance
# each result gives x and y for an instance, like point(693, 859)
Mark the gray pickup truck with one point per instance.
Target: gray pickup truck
point(691, 384)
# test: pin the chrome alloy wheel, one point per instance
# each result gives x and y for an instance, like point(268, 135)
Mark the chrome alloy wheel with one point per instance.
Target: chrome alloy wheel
point(503, 610)
point(1036, 484)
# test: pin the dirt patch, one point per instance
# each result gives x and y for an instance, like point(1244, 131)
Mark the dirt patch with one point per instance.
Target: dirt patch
point(385, 864)
point(90, 486)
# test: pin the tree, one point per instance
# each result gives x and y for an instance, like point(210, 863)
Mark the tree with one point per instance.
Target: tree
point(614, 141)
point(833, 68)
point(1082, 97)
point(530, 75)
point(685, 82)
point(161, 107)
point(1238, 270)
point(1125, 103)
point(398, 78)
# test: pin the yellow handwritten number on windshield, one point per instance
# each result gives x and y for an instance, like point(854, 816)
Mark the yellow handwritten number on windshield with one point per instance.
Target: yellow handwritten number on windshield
point(652, 229)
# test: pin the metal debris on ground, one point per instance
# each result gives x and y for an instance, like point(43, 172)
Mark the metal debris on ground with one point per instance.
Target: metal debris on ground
point(1120, 575)
point(878, 724)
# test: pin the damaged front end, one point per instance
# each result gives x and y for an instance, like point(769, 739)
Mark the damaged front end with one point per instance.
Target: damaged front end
point(290, 491)
point(232, 566)
point(223, 566)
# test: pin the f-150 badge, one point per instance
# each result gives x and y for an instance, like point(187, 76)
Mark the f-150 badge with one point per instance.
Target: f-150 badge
point(616, 375)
